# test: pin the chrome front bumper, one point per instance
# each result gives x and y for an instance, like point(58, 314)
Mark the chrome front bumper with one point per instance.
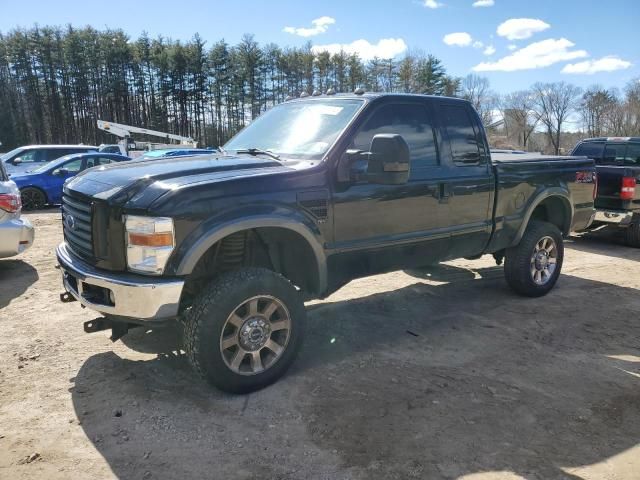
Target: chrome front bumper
point(121, 294)
point(16, 235)
point(609, 216)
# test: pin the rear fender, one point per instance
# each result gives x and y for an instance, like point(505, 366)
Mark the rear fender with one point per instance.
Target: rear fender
point(558, 192)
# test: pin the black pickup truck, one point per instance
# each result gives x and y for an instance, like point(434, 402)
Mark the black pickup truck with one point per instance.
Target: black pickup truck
point(314, 193)
point(618, 169)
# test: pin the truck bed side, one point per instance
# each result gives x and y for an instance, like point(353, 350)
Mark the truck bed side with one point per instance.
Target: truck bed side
point(557, 189)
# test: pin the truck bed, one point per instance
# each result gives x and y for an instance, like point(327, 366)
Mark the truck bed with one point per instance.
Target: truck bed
point(522, 177)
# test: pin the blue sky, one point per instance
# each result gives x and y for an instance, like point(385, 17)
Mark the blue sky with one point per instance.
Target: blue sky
point(512, 42)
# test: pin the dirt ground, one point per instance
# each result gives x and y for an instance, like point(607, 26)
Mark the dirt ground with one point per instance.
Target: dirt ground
point(437, 373)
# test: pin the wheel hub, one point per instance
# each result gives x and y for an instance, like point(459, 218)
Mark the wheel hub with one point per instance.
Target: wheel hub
point(254, 334)
point(542, 260)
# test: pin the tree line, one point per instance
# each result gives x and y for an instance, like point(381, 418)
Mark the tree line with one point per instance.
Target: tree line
point(56, 82)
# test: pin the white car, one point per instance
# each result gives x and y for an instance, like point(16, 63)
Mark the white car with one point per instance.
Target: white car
point(16, 234)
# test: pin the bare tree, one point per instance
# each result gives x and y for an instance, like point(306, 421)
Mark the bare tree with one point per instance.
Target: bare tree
point(596, 105)
point(632, 102)
point(554, 103)
point(519, 117)
point(477, 90)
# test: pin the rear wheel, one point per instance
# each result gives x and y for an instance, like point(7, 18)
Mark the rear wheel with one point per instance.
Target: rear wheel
point(632, 234)
point(244, 330)
point(533, 266)
point(32, 198)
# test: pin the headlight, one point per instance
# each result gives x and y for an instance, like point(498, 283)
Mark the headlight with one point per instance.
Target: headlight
point(150, 241)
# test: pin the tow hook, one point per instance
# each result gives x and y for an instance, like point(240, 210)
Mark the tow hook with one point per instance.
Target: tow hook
point(66, 297)
point(118, 329)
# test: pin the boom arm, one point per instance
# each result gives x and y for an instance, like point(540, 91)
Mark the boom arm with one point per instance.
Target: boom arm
point(124, 131)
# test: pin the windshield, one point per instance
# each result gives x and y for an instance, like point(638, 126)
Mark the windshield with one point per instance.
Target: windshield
point(298, 129)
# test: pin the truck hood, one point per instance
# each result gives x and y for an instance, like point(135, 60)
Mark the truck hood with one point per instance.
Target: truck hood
point(120, 182)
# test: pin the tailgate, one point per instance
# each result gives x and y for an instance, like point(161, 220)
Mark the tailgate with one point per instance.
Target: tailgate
point(610, 184)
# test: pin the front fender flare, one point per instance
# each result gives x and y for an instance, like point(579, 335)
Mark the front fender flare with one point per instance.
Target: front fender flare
point(222, 230)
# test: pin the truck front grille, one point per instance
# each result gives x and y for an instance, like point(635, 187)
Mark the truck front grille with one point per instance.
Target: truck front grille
point(76, 225)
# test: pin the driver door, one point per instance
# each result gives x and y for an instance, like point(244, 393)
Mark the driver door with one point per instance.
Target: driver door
point(386, 227)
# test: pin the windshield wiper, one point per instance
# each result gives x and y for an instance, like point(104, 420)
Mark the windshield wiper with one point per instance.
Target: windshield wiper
point(259, 151)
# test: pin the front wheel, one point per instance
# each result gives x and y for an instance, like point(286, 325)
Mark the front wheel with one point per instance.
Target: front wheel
point(244, 329)
point(533, 266)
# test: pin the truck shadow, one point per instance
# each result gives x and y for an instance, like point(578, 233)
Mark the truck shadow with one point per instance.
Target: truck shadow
point(419, 382)
point(604, 241)
point(15, 277)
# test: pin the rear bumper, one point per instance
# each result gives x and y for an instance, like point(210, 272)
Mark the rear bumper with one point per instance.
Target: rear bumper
point(121, 294)
point(16, 236)
point(612, 216)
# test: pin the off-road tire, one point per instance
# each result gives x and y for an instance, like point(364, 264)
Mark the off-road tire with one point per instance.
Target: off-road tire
point(204, 322)
point(518, 260)
point(32, 198)
point(632, 234)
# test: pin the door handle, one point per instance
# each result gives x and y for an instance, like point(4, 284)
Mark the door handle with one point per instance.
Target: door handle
point(444, 192)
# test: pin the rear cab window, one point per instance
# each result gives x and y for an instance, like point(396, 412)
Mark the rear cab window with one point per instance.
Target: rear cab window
point(614, 154)
point(467, 149)
point(632, 155)
point(590, 150)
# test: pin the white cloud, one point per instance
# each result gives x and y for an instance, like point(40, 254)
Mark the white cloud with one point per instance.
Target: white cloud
point(459, 39)
point(490, 50)
point(478, 44)
point(484, 3)
point(320, 25)
point(385, 48)
point(521, 28)
point(535, 55)
point(604, 64)
point(433, 4)
point(512, 47)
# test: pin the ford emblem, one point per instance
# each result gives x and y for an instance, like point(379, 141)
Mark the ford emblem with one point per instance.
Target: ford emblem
point(70, 222)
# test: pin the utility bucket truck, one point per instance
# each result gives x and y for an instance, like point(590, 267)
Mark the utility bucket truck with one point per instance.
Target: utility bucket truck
point(127, 146)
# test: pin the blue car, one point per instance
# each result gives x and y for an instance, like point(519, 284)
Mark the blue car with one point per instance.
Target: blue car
point(44, 185)
point(175, 152)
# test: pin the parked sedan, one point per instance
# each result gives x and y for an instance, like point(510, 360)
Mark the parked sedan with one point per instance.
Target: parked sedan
point(16, 234)
point(44, 185)
point(30, 157)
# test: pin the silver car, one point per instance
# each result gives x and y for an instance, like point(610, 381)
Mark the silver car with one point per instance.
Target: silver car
point(16, 234)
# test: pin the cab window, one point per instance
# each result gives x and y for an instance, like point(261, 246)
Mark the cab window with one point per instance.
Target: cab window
point(614, 154)
point(632, 155)
point(590, 150)
point(465, 148)
point(406, 119)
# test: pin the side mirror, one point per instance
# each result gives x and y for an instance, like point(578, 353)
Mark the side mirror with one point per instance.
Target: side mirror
point(62, 172)
point(16, 161)
point(388, 160)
